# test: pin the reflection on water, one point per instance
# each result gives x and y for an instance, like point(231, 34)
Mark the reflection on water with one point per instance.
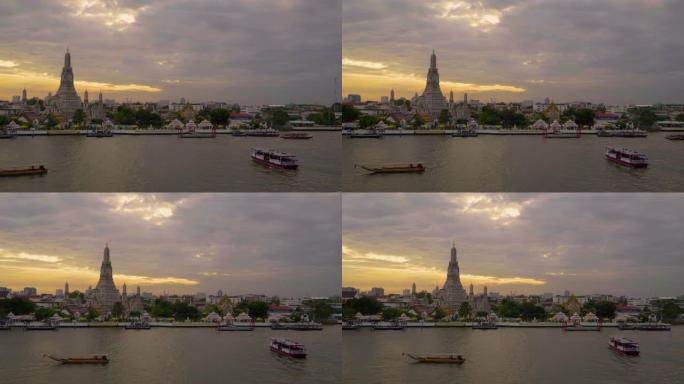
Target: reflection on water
point(169, 164)
point(511, 356)
point(512, 164)
point(168, 356)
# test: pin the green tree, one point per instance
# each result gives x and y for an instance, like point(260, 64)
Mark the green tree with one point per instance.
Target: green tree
point(364, 305)
point(349, 113)
point(118, 310)
point(509, 308)
point(444, 117)
point(124, 116)
point(418, 121)
point(258, 309)
point(219, 116)
point(584, 117)
point(43, 313)
point(182, 311)
point(240, 307)
point(79, 117)
point(669, 309)
point(439, 313)
point(146, 118)
point(322, 311)
point(489, 116)
point(161, 308)
point(680, 117)
point(464, 310)
point(279, 117)
point(510, 118)
point(647, 118)
point(92, 314)
point(17, 305)
point(368, 121)
point(390, 313)
point(52, 121)
point(530, 311)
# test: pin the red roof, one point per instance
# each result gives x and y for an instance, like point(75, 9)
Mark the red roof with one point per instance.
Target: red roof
point(606, 115)
point(243, 115)
point(274, 307)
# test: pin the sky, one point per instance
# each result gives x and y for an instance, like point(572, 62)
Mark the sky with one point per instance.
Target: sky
point(245, 51)
point(611, 51)
point(620, 244)
point(274, 244)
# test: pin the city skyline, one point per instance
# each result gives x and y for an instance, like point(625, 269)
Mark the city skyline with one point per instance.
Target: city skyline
point(178, 243)
point(238, 51)
point(520, 243)
point(576, 51)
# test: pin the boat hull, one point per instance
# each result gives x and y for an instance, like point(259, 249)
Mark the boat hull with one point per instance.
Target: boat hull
point(625, 163)
point(22, 172)
point(280, 352)
point(273, 165)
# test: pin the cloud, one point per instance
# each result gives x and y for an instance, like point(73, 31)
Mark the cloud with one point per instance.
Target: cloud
point(363, 64)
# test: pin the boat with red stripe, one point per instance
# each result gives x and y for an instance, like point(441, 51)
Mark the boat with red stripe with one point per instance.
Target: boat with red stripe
point(289, 348)
point(274, 159)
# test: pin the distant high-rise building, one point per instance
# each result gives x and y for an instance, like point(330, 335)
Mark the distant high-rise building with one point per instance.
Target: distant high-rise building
point(85, 97)
point(377, 291)
point(67, 99)
point(66, 289)
point(23, 95)
point(413, 289)
point(432, 100)
point(30, 291)
point(384, 100)
point(406, 292)
point(137, 291)
point(105, 293)
point(392, 95)
point(59, 292)
point(465, 98)
point(353, 98)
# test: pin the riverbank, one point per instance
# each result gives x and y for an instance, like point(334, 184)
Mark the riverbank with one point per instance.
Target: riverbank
point(468, 324)
point(147, 132)
point(158, 324)
point(449, 132)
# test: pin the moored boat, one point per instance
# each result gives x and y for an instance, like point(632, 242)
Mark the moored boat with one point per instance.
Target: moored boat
point(629, 133)
point(5, 326)
point(34, 170)
point(351, 325)
point(274, 159)
point(624, 345)
point(484, 325)
point(392, 326)
point(675, 137)
point(99, 133)
point(41, 327)
point(138, 325)
point(279, 327)
point(268, 132)
point(289, 348)
point(396, 168)
point(305, 326)
point(366, 134)
point(95, 359)
point(437, 358)
point(296, 136)
point(234, 328)
point(626, 157)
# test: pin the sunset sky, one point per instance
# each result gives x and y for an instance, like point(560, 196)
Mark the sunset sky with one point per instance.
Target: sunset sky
point(613, 51)
point(246, 51)
point(277, 244)
point(627, 244)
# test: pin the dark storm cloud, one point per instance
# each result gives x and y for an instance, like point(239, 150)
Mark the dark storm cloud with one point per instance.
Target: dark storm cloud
point(283, 244)
point(238, 50)
point(587, 243)
point(612, 51)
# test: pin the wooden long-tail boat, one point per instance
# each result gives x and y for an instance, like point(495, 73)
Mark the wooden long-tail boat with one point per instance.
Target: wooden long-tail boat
point(675, 137)
point(396, 168)
point(95, 359)
point(33, 170)
point(437, 358)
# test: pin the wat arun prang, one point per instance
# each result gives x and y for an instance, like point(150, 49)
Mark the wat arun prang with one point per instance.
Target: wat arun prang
point(106, 294)
point(66, 100)
point(432, 101)
point(452, 294)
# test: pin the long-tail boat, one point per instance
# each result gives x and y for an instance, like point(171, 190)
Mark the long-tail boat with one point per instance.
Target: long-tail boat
point(33, 170)
point(437, 358)
point(95, 359)
point(396, 168)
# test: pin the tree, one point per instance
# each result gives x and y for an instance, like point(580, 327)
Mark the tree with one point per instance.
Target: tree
point(220, 116)
point(670, 310)
point(17, 305)
point(439, 313)
point(43, 313)
point(680, 117)
point(509, 308)
point(52, 121)
point(364, 305)
point(349, 113)
point(489, 116)
point(530, 311)
point(279, 117)
point(118, 310)
point(182, 311)
point(390, 313)
point(124, 116)
point(161, 308)
point(258, 309)
point(146, 118)
point(464, 310)
point(79, 117)
point(92, 314)
point(322, 311)
point(444, 117)
point(647, 118)
point(367, 121)
point(418, 121)
point(424, 294)
point(510, 118)
point(584, 117)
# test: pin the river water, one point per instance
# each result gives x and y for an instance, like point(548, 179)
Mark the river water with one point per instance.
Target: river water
point(169, 164)
point(512, 164)
point(168, 356)
point(511, 356)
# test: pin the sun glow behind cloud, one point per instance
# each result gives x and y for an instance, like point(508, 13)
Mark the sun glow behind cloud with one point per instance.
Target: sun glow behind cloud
point(147, 207)
point(476, 14)
point(111, 13)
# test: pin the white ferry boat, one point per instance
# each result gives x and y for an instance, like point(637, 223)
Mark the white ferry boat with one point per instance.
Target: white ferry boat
point(624, 345)
point(274, 159)
point(626, 157)
point(288, 348)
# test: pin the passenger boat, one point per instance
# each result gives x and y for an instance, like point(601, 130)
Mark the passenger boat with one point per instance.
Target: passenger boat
point(393, 326)
point(4, 326)
point(41, 327)
point(629, 133)
point(675, 137)
point(289, 348)
point(484, 325)
point(7, 135)
point(296, 136)
point(279, 327)
point(366, 134)
point(626, 157)
point(39, 170)
point(624, 345)
point(350, 326)
point(271, 158)
point(257, 132)
point(653, 327)
point(464, 133)
point(233, 328)
point(437, 358)
point(95, 359)
point(100, 133)
point(579, 327)
point(396, 168)
point(197, 135)
point(604, 133)
point(138, 325)
point(310, 326)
